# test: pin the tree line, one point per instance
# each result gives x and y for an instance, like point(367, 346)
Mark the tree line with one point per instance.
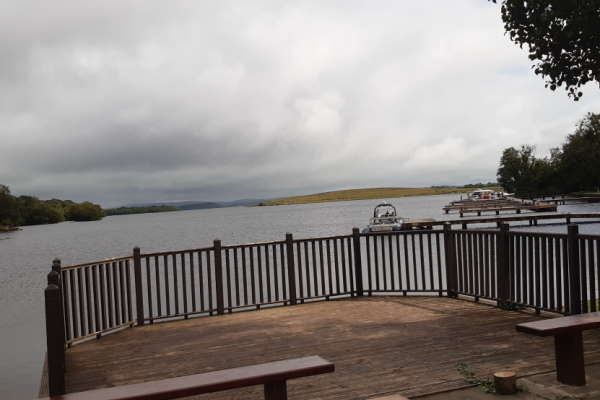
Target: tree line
point(572, 167)
point(29, 210)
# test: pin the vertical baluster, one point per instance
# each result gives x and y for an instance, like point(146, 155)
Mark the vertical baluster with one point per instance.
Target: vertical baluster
point(494, 264)
point(406, 263)
point(175, 284)
point(167, 288)
point(322, 268)
point(65, 298)
point(201, 283)
point(252, 274)
point(88, 301)
point(337, 270)
point(551, 272)
point(537, 271)
point(128, 289)
point(268, 270)
point(260, 275)
point(184, 285)
point(245, 275)
point(519, 269)
point(369, 271)
point(122, 290)
point(422, 259)
point(307, 266)
point(193, 281)
point(228, 277)
point(237, 277)
point(210, 289)
point(398, 263)
point(149, 290)
point(110, 295)
point(414, 260)
point(383, 269)
point(344, 267)
point(592, 275)
point(544, 273)
point(531, 267)
point(298, 266)
point(329, 268)
point(103, 294)
point(97, 305)
point(430, 255)
point(283, 271)
point(158, 292)
point(376, 261)
point(351, 270)
point(115, 288)
point(80, 303)
point(275, 274)
point(315, 270)
point(438, 237)
point(583, 284)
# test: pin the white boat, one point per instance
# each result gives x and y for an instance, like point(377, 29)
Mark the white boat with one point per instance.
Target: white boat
point(385, 219)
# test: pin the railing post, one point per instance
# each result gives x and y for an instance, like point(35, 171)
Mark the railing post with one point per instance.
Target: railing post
point(289, 248)
point(574, 289)
point(54, 337)
point(357, 261)
point(137, 276)
point(503, 267)
point(450, 258)
point(219, 277)
point(56, 267)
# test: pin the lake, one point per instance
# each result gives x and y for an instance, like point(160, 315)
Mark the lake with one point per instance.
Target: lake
point(26, 256)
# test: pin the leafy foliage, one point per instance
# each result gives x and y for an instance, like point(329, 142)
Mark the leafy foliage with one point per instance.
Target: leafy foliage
point(29, 210)
point(562, 37)
point(139, 210)
point(573, 167)
point(485, 384)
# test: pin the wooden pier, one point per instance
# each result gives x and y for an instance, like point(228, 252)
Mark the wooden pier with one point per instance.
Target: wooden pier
point(531, 218)
point(497, 206)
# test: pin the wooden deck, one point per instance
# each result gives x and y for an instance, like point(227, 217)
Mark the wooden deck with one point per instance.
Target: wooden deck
point(380, 345)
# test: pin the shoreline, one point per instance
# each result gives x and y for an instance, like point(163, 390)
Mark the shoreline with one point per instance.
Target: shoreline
point(4, 228)
point(368, 194)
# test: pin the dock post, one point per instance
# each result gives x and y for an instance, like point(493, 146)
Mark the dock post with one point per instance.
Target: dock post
point(55, 343)
point(289, 248)
point(137, 276)
point(450, 258)
point(503, 278)
point(357, 261)
point(219, 276)
point(574, 289)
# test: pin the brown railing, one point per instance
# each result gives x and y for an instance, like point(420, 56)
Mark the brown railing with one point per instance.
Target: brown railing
point(554, 272)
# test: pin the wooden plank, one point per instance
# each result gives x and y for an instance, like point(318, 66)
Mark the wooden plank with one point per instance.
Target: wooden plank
point(561, 325)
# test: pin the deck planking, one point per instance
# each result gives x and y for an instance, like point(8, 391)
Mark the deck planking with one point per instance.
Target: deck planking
point(380, 345)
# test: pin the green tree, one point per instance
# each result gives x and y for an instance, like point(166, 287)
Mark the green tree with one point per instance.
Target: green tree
point(561, 36)
point(579, 160)
point(524, 174)
point(85, 211)
point(9, 209)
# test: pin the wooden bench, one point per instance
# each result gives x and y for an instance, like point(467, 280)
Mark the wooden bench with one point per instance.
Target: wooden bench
point(568, 343)
point(273, 376)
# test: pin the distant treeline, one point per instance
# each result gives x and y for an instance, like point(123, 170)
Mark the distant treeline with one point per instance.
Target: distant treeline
point(573, 167)
point(139, 210)
point(29, 210)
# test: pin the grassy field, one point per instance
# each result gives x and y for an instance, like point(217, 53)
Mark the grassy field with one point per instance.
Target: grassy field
point(365, 194)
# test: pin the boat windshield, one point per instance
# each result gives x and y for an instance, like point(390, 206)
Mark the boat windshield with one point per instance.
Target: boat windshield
point(384, 211)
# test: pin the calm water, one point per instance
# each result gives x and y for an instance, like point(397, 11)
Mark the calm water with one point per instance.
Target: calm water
point(26, 256)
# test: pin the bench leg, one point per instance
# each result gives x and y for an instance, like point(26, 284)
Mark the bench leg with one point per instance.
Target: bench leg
point(569, 359)
point(276, 391)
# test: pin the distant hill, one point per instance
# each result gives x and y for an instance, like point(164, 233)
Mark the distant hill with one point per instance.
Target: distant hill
point(200, 205)
point(371, 193)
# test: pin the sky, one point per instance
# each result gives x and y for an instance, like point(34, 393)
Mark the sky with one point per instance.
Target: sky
point(128, 101)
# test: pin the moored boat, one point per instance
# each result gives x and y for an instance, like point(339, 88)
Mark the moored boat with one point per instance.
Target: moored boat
point(385, 219)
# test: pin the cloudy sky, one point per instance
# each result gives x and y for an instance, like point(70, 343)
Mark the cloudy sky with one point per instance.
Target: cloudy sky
point(128, 101)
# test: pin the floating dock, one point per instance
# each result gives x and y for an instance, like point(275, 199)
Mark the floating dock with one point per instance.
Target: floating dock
point(497, 206)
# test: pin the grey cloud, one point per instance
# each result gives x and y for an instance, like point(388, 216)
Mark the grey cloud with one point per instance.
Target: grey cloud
point(142, 100)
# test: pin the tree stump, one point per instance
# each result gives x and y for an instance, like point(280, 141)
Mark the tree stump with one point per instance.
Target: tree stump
point(505, 382)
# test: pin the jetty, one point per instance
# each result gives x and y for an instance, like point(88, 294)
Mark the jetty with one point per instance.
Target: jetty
point(384, 310)
point(497, 206)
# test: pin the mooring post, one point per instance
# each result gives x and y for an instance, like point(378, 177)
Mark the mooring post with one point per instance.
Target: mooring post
point(137, 280)
point(450, 258)
point(55, 343)
point(219, 276)
point(289, 249)
point(574, 290)
point(357, 261)
point(503, 279)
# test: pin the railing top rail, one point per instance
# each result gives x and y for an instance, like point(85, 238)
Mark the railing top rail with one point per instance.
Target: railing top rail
point(397, 233)
point(175, 252)
point(537, 234)
point(88, 264)
point(323, 238)
point(245, 245)
point(488, 231)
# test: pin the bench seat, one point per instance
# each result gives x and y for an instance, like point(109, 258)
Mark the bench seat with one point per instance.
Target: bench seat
point(568, 343)
point(273, 375)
